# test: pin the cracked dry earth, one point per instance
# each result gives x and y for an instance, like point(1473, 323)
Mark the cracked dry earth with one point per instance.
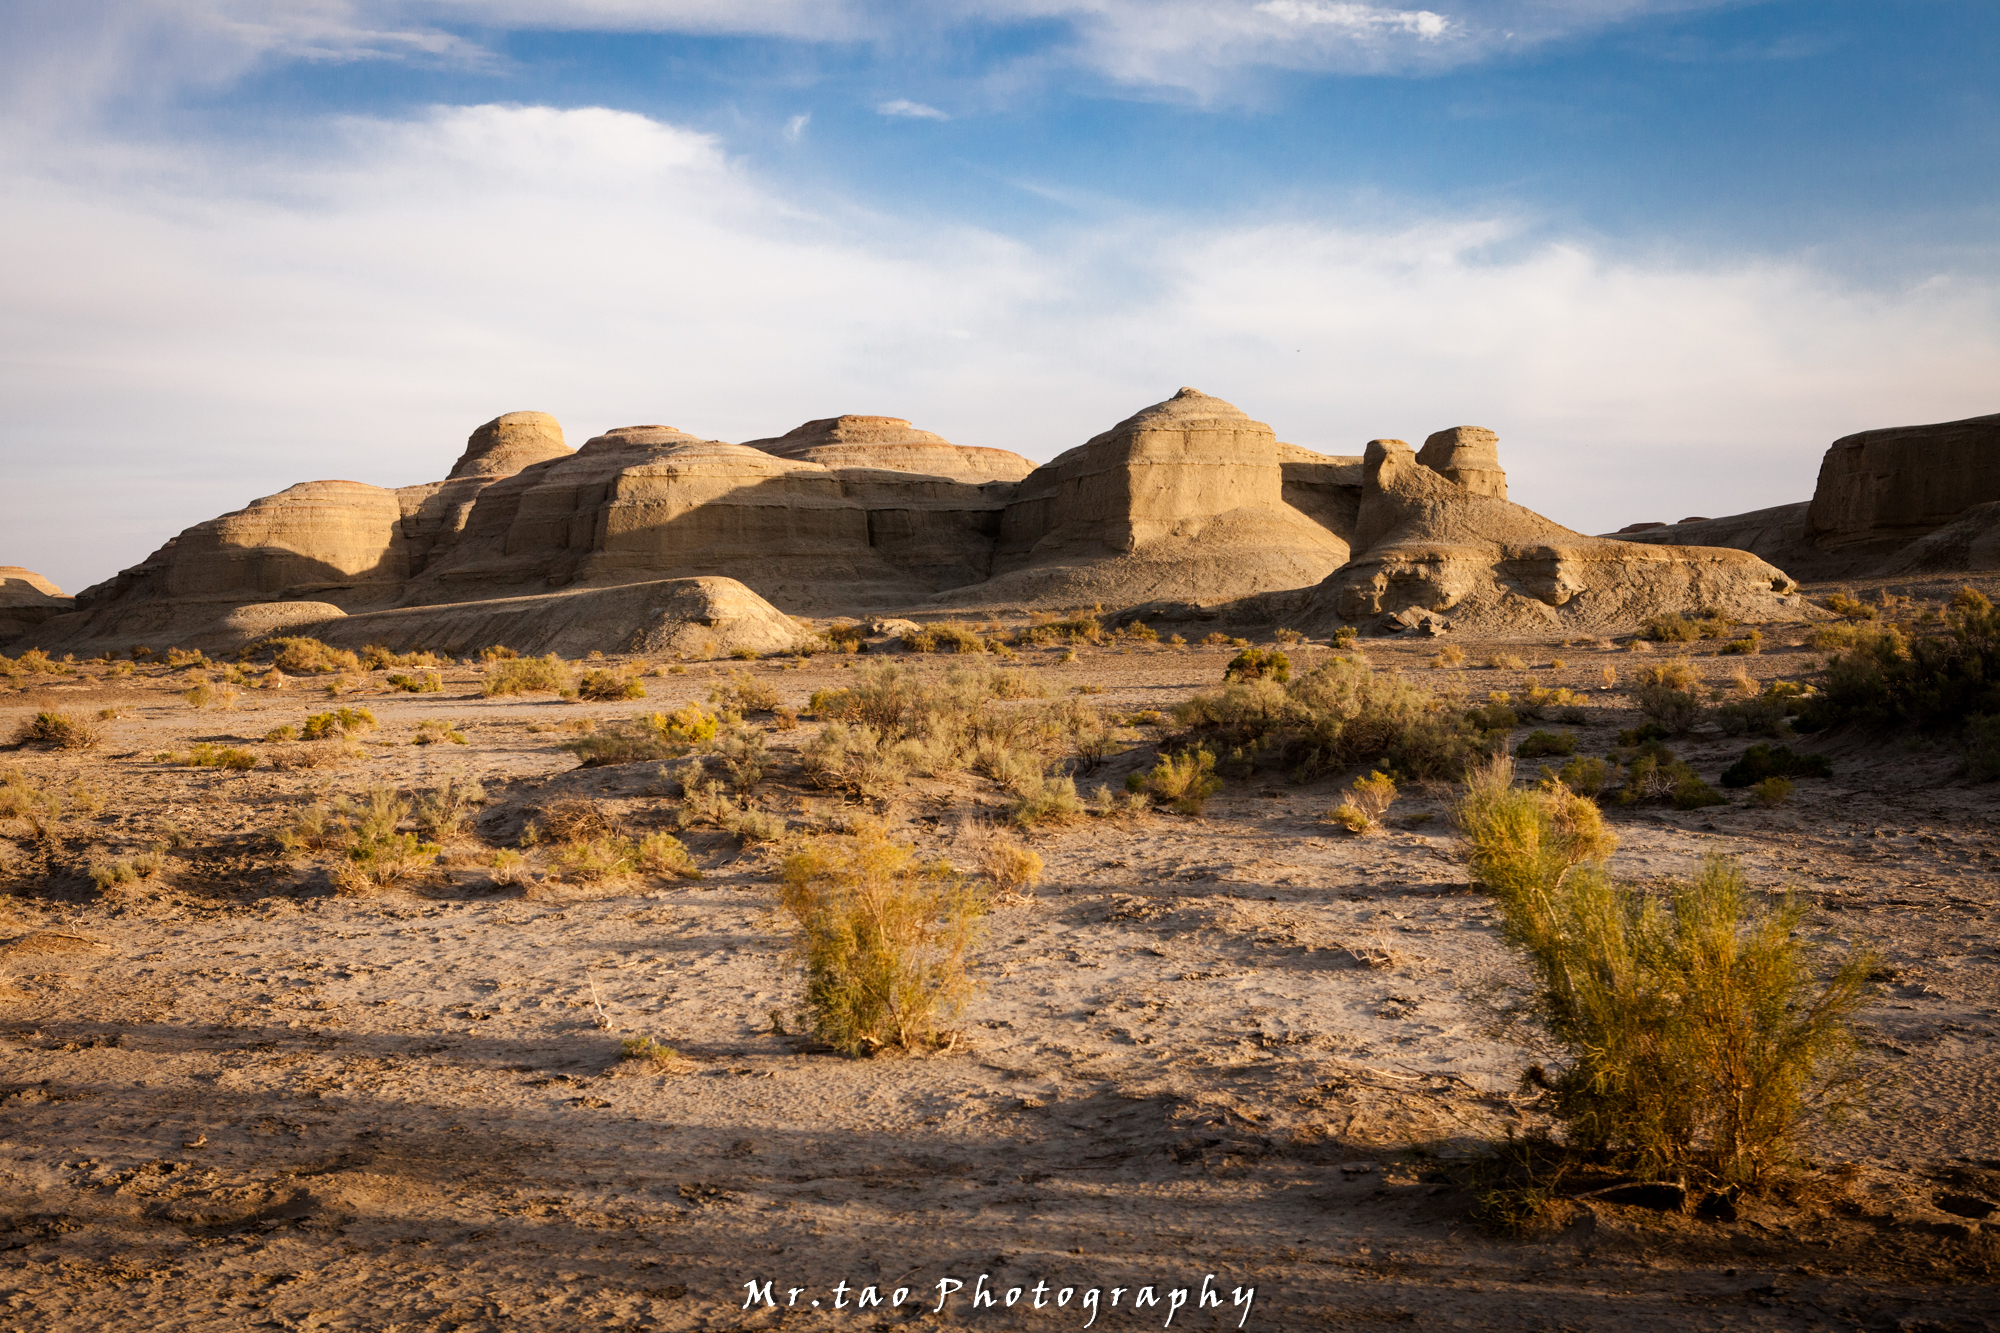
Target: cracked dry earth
point(1232, 1045)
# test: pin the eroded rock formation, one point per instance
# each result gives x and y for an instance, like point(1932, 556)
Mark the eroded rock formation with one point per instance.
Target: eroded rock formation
point(1431, 550)
point(1881, 498)
point(27, 599)
point(652, 538)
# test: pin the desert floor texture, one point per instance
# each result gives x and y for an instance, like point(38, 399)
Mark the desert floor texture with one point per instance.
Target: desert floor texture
point(1242, 1044)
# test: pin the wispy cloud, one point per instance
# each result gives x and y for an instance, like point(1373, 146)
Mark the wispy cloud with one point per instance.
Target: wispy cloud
point(905, 108)
point(795, 128)
point(199, 327)
point(1358, 19)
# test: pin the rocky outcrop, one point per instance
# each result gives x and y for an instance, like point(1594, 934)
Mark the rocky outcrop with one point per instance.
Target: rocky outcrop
point(1468, 455)
point(1882, 495)
point(892, 444)
point(1431, 551)
point(1182, 500)
point(27, 599)
point(1188, 504)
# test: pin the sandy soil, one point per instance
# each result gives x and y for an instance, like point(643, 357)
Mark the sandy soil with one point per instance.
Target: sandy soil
point(1241, 1045)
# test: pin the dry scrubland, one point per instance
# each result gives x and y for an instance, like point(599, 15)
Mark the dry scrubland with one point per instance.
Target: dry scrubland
point(345, 993)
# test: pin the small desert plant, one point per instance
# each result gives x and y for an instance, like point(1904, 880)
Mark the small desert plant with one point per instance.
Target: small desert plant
point(883, 939)
point(1584, 775)
point(1845, 605)
point(60, 731)
point(1449, 656)
point(1008, 863)
point(1779, 761)
point(308, 657)
point(1699, 1037)
point(379, 657)
point(1666, 694)
point(855, 759)
point(1182, 782)
point(442, 811)
point(1504, 662)
point(1772, 791)
point(278, 735)
point(602, 685)
point(649, 736)
point(569, 819)
point(1671, 628)
point(526, 675)
point(1105, 803)
point(1751, 642)
point(1542, 744)
point(498, 652)
point(946, 637)
point(1041, 799)
point(743, 693)
point(665, 1059)
point(1258, 664)
point(1367, 801)
point(432, 731)
point(205, 696)
point(205, 755)
point(129, 870)
point(430, 682)
point(1288, 636)
point(337, 723)
point(1496, 714)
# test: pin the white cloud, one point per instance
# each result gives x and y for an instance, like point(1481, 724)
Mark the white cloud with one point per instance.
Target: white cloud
point(1358, 19)
point(181, 331)
point(795, 128)
point(904, 108)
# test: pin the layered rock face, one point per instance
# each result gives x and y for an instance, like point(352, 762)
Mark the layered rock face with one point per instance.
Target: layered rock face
point(1468, 455)
point(1432, 551)
point(1882, 496)
point(1184, 500)
point(892, 444)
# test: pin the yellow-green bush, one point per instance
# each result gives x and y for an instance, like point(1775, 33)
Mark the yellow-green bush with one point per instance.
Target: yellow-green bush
point(337, 723)
point(1182, 782)
point(59, 731)
point(605, 685)
point(307, 657)
point(526, 675)
point(1700, 1027)
point(883, 939)
point(1367, 801)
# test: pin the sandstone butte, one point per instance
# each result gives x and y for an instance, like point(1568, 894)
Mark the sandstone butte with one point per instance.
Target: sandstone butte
point(1906, 501)
point(648, 538)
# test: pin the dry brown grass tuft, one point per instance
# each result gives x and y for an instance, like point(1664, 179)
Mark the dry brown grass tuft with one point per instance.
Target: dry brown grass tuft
point(60, 731)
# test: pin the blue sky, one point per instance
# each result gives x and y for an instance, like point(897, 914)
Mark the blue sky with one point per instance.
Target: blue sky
point(1668, 250)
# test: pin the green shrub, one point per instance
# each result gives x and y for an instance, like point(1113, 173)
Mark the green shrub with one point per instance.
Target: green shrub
point(1541, 744)
point(432, 731)
point(1585, 776)
point(1183, 782)
point(1670, 628)
point(339, 722)
point(946, 637)
point(1040, 799)
point(430, 682)
point(1845, 605)
point(744, 693)
point(1368, 799)
point(1691, 793)
point(378, 657)
point(280, 734)
point(1928, 677)
point(1666, 695)
point(1752, 642)
point(308, 657)
point(648, 737)
point(1257, 664)
point(526, 675)
point(1494, 714)
point(59, 731)
point(1773, 791)
point(1698, 1036)
point(1780, 761)
point(1340, 714)
point(603, 685)
point(884, 940)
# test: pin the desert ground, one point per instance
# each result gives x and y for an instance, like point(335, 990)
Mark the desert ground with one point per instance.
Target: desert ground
point(1241, 1043)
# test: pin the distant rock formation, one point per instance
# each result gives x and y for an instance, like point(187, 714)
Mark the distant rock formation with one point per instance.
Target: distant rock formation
point(649, 538)
point(892, 444)
point(27, 599)
point(1185, 499)
point(1432, 551)
point(1884, 502)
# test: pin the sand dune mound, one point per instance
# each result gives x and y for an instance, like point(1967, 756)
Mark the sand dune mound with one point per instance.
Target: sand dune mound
point(1432, 551)
point(695, 617)
point(892, 444)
